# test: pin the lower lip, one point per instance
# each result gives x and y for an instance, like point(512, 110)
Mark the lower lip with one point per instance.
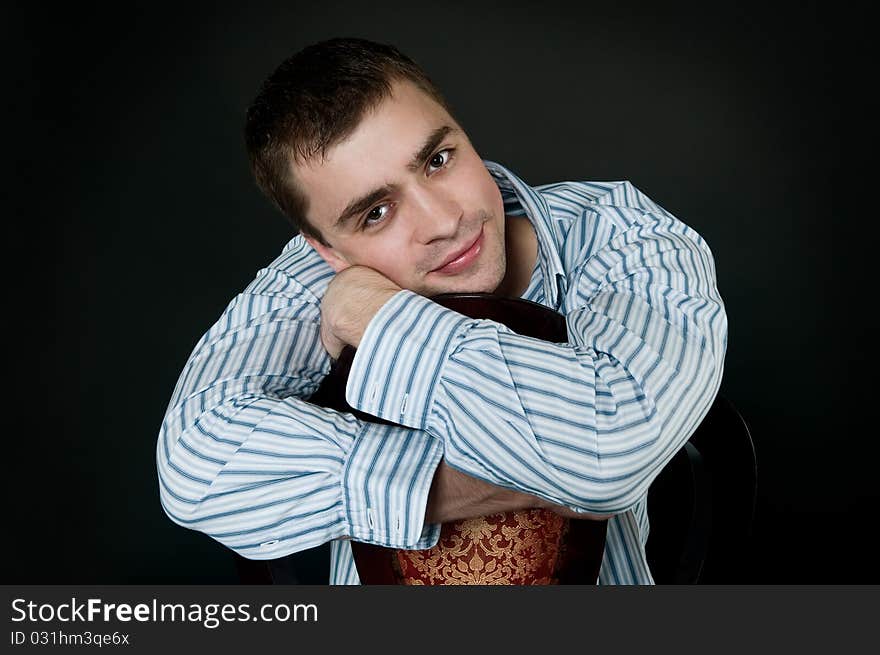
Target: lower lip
point(463, 261)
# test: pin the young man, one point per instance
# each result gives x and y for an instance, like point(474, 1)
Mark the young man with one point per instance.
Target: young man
point(357, 147)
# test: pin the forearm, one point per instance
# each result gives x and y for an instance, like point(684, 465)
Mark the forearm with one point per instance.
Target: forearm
point(242, 456)
point(455, 495)
point(269, 477)
point(587, 424)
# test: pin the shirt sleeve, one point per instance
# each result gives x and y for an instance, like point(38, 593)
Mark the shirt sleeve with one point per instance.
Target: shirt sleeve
point(588, 423)
point(242, 457)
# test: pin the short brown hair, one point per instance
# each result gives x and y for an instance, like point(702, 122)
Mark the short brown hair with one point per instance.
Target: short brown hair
point(314, 100)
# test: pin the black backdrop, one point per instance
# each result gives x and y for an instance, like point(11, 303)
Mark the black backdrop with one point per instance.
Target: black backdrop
point(134, 211)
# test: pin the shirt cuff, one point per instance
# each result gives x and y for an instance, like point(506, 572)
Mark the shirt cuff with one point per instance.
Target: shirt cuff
point(385, 484)
point(400, 359)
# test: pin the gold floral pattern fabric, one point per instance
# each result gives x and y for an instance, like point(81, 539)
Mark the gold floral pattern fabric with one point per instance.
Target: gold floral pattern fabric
point(511, 548)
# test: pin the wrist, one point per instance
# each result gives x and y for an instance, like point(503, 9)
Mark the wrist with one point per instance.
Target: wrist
point(373, 301)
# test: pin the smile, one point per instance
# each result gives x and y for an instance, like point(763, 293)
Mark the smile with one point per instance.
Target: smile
point(461, 260)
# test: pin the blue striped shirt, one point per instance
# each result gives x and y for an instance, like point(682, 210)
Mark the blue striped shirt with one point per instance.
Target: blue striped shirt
point(587, 424)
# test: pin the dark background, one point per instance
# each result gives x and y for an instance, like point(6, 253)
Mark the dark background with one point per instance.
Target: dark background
point(134, 212)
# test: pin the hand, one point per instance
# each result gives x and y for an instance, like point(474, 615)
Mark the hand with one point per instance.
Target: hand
point(353, 297)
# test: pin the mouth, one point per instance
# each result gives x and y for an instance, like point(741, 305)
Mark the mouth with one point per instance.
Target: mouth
point(461, 259)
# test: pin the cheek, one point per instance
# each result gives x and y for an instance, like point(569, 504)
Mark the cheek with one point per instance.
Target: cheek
point(487, 190)
point(390, 256)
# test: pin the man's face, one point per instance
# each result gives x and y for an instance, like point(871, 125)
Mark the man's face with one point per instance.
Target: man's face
point(407, 195)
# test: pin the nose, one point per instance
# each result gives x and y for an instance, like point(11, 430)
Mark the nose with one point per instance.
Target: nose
point(436, 213)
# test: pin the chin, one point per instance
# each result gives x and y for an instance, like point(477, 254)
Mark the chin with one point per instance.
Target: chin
point(485, 284)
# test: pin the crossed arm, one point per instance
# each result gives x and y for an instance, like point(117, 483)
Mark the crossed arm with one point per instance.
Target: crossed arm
point(243, 459)
point(353, 298)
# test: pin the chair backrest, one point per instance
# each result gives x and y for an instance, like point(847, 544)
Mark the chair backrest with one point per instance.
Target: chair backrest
point(581, 542)
point(702, 505)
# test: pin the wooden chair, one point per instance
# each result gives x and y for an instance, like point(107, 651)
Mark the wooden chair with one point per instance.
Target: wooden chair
point(700, 507)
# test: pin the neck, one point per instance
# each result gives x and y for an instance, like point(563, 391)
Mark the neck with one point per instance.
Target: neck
point(521, 248)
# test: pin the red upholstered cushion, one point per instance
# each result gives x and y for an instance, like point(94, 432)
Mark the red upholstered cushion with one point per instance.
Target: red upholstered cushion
point(512, 548)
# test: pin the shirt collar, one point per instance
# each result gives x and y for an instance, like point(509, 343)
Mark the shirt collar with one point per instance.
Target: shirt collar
point(538, 212)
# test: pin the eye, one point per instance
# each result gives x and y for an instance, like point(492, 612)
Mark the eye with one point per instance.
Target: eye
point(376, 215)
point(440, 159)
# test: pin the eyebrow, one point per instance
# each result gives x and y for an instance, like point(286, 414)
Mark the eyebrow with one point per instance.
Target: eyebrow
point(363, 203)
point(427, 149)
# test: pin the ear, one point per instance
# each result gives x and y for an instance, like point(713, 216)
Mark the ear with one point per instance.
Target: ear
point(336, 261)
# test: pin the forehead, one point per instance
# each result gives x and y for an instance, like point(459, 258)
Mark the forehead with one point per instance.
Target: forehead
point(377, 153)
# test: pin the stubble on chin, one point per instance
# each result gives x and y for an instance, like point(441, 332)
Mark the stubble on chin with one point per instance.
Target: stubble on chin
point(485, 279)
